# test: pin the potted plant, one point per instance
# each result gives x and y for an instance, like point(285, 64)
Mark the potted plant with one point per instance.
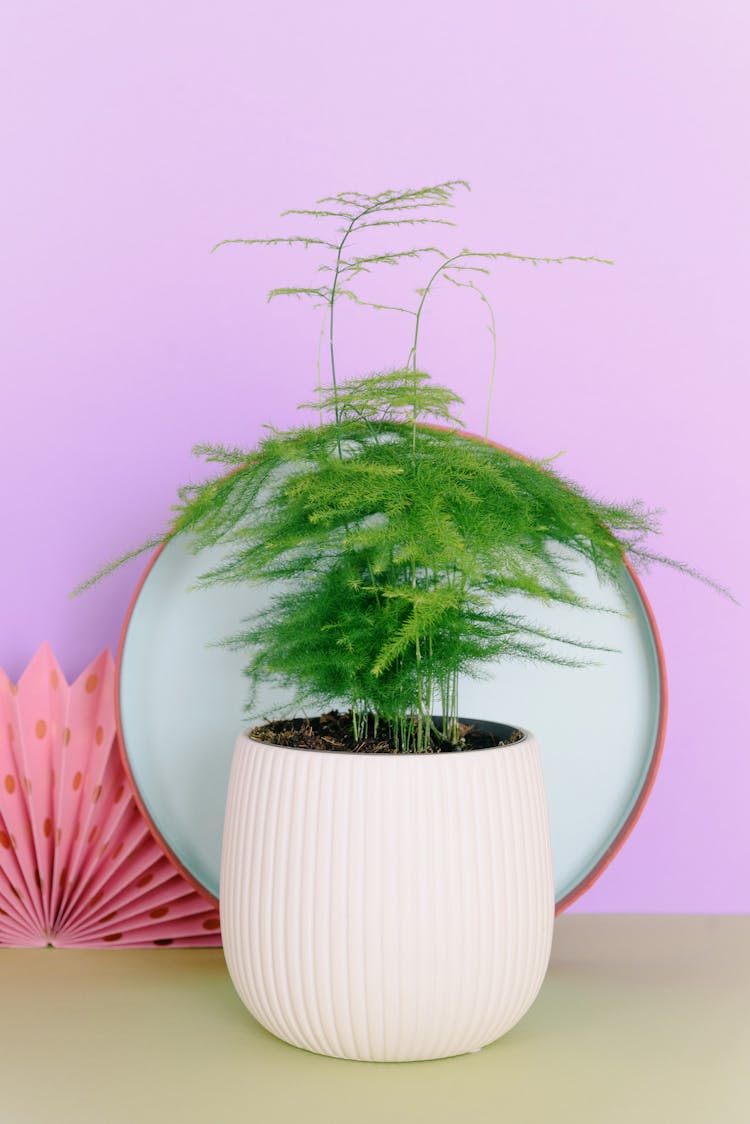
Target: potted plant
point(386, 886)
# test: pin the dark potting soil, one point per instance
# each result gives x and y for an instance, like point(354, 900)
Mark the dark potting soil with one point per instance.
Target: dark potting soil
point(332, 732)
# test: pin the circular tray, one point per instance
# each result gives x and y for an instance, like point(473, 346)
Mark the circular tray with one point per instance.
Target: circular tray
point(180, 703)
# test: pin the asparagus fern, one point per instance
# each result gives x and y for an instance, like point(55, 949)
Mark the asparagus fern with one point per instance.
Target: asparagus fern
point(395, 539)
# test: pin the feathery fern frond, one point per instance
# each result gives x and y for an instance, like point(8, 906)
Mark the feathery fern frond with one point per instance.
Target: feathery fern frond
point(394, 543)
point(321, 293)
point(284, 240)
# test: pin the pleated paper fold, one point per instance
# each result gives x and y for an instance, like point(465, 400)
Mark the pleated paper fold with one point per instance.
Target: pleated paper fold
point(79, 866)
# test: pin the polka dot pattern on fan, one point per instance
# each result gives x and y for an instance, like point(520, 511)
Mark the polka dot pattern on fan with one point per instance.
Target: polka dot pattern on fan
point(79, 866)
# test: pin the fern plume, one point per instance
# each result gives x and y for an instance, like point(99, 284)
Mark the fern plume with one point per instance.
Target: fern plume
point(393, 542)
point(396, 560)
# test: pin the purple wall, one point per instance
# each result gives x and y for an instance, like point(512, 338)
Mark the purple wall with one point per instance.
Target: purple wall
point(135, 135)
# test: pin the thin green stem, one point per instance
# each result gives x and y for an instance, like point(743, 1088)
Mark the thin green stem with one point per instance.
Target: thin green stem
point(331, 347)
point(490, 392)
point(318, 365)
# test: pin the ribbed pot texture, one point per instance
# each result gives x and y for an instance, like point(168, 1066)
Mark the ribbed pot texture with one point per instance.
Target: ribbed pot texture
point(387, 907)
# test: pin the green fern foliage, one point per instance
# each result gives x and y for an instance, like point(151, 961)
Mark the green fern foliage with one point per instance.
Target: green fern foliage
point(392, 559)
point(391, 541)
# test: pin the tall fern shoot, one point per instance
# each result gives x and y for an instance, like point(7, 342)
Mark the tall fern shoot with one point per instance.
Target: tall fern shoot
point(393, 540)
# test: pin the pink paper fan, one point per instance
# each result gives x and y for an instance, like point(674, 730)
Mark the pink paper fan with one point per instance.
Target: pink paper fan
point(79, 867)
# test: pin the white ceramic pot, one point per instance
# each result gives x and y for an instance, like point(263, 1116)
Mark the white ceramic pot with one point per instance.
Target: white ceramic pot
point(387, 907)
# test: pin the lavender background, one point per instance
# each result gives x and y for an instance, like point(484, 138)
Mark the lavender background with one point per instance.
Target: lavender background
point(135, 135)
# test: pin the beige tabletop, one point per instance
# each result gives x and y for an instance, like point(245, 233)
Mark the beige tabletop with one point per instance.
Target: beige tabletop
point(640, 1019)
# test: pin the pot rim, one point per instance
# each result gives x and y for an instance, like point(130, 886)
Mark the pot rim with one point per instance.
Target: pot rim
point(526, 739)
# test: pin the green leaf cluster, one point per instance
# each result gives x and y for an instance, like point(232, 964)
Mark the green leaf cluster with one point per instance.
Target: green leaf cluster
point(392, 541)
point(392, 557)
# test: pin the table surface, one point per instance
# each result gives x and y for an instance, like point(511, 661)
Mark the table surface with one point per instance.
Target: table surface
point(641, 1018)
